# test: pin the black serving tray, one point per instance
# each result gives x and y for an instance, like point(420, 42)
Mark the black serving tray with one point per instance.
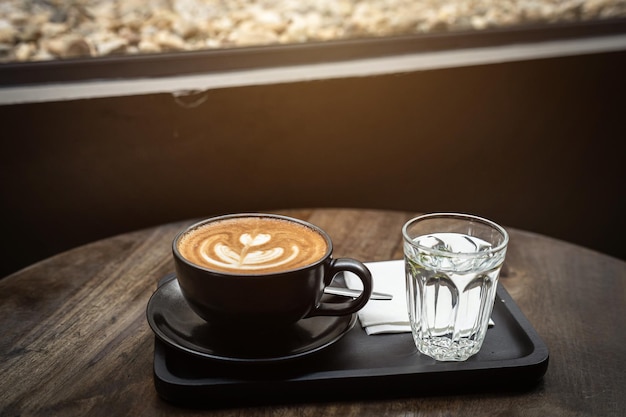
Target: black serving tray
point(513, 357)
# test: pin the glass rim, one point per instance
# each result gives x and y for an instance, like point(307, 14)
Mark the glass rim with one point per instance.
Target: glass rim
point(459, 216)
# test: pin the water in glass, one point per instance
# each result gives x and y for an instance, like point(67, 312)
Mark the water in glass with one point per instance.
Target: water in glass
point(451, 282)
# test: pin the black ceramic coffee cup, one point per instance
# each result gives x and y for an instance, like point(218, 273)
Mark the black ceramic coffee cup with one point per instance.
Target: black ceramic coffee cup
point(261, 270)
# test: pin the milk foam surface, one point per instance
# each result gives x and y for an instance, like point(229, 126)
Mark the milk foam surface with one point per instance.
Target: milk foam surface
point(251, 245)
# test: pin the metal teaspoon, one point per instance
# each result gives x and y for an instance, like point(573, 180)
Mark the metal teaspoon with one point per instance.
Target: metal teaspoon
point(347, 292)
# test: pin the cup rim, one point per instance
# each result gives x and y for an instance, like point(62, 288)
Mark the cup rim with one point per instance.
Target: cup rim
point(180, 257)
point(460, 216)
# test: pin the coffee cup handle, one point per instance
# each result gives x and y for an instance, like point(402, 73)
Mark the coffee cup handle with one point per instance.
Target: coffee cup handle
point(354, 305)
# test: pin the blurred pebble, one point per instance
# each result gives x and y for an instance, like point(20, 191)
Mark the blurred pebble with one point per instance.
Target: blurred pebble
point(39, 30)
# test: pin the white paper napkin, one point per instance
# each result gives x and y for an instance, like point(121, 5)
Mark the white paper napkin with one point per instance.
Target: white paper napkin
point(384, 316)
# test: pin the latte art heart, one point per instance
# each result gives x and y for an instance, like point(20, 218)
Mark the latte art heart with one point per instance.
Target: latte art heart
point(224, 256)
point(252, 245)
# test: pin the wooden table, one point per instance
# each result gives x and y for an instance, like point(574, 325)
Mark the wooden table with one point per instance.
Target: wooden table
point(74, 338)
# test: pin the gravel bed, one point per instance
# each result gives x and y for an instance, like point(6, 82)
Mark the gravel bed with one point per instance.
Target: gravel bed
point(54, 29)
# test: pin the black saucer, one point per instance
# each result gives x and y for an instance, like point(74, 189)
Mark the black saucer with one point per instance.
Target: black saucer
point(174, 323)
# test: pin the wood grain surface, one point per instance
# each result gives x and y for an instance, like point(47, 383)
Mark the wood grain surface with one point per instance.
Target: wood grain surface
point(75, 341)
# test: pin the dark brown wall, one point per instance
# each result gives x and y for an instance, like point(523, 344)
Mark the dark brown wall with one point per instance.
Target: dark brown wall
point(535, 145)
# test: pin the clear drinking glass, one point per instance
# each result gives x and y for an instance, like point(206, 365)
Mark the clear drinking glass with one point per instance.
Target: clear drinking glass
point(452, 264)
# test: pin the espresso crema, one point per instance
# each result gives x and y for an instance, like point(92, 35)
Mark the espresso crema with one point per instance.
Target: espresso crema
point(252, 245)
